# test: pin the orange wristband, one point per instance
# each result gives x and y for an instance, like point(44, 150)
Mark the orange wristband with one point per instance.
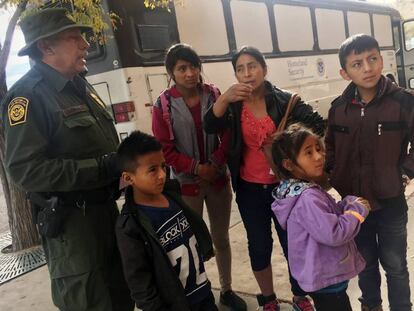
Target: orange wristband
point(356, 215)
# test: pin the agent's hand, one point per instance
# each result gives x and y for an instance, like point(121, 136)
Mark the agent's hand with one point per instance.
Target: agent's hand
point(238, 92)
point(109, 163)
point(207, 172)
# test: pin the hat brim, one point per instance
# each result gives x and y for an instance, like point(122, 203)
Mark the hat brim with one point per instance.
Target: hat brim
point(25, 50)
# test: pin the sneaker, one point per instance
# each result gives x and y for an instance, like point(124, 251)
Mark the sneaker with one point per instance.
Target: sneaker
point(303, 304)
point(268, 303)
point(233, 301)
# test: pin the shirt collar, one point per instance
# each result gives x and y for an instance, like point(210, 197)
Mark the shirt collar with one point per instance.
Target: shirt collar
point(380, 89)
point(56, 79)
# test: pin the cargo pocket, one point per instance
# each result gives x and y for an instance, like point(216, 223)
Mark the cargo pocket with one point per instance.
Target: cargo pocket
point(83, 121)
point(76, 250)
point(80, 131)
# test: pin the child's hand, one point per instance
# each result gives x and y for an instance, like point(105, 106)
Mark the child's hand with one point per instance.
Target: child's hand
point(405, 180)
point(356, 206)
point(364, 202)
point(207, 172)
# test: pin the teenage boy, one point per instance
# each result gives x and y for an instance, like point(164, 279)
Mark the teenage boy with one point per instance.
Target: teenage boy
point(163, 243)
point(369, 128)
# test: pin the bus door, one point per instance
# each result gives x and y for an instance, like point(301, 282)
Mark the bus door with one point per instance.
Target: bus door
point(156, 83)
point(408, 52)
point(102, 89)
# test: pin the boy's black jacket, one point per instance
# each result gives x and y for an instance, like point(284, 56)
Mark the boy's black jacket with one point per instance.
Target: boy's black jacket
point(153, 282)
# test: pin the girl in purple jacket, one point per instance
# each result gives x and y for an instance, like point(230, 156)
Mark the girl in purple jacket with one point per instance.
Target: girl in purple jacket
point(322, 253)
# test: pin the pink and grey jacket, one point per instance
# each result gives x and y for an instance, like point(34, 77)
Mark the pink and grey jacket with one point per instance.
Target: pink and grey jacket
point(178, 136)
point(321, 247)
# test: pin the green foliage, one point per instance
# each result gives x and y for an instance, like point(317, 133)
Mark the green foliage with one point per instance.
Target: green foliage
point(152, 4)
point(89, 12)
point(164, 4)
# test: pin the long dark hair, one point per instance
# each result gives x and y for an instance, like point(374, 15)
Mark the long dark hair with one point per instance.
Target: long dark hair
point(287, 144)
point(181, 51)
point(253, 52)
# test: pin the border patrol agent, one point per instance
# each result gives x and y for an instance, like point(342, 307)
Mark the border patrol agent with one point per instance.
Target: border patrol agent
point(60, 144)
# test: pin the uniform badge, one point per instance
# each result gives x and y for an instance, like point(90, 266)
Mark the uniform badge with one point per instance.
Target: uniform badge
point(98, 100)
point(17, 110)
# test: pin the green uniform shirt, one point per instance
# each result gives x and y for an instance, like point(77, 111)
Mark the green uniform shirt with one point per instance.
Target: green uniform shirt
point(55, 131)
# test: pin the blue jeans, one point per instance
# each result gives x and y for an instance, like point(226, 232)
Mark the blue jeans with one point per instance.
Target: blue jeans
point(383, 239)
point(254, 202)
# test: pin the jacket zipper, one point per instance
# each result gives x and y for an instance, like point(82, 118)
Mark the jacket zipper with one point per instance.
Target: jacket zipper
point(360, 155)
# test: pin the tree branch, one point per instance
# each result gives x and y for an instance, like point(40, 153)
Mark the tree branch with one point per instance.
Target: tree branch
point(5, 50)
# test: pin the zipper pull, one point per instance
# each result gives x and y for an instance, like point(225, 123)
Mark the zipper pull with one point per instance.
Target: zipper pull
point(362, 111)
point(379, 129)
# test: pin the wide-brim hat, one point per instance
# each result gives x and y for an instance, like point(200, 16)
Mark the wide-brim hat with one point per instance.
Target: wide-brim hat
point(46, 23)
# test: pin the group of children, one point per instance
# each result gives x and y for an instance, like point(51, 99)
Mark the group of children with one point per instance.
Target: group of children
point(164, 243)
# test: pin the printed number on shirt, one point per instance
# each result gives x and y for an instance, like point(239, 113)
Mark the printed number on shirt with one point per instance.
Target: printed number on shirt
point(181, 255)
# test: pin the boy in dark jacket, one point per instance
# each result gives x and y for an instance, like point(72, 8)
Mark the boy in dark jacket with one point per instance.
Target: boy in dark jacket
point(369, 128)
point(163, 243)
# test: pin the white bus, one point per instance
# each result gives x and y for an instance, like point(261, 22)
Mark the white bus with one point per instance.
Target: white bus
point(300, 39)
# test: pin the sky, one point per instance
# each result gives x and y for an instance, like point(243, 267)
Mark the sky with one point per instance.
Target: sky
point(16, 65)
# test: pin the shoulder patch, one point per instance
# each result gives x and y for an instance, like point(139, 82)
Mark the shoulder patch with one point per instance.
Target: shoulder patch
point(17, 110)
point(97, 100)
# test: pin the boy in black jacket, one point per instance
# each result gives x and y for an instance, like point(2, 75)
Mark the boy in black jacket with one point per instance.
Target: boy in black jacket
point(163, 243)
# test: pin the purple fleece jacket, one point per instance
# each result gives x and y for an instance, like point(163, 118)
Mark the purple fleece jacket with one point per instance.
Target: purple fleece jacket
point(321, 247)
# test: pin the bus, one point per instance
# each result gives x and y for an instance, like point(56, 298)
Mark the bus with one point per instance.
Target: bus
point(299, 38)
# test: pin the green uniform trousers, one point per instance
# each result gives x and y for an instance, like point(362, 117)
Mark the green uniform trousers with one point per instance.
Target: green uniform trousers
point(84, 263)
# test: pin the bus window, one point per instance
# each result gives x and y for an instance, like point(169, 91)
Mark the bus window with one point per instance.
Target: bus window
point(153, 37)
point(382, 29)
point(358, 23)
point(250, 19)
point(409, 35)
point(201, 24)
point(331, 28)
point(297, 35)
point(95, 50)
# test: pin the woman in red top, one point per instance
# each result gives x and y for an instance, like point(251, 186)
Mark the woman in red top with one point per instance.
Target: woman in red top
point(197, 159)
point(252, 110)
